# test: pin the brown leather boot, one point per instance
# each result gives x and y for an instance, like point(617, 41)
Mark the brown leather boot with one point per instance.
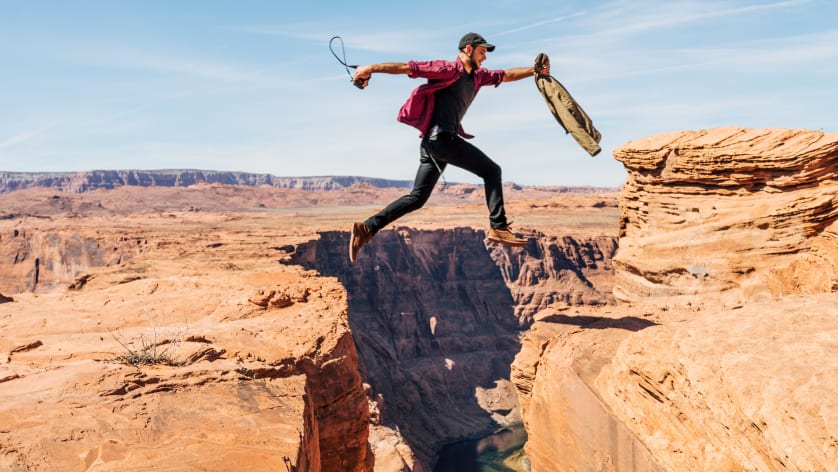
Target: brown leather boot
point(360, 235)
point(504, 236)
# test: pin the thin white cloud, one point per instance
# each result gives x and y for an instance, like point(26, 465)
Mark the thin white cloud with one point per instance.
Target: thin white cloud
point(403, 42)
point(18, 139)
point(539, 23)
point(58, 50)
point(629, 18)
point(131, 58)
point(148, 102)
point(772, 53)
point(749, 56)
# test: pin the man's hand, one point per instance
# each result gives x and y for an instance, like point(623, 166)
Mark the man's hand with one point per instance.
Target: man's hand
point(542, 65)
point(362, 76)
point(541, 69)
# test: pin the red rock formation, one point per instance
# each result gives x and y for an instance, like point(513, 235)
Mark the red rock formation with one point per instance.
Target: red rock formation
point(748, 212)
point(557, 270)
point(269, 367)
point(109, 179)
point(744, 389)
point(252, 386)
point(569, 426)
point(713, 365)
point(32, 260)
point(436, 319)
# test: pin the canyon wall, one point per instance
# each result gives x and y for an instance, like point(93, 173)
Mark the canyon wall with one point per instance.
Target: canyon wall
point(436, 316)
point(86, 181)
point(719, 355)
point(40, 261)
point(198, 352)
point(746, 213)
point(418, 335)
point(721, 352)
point(78, 182)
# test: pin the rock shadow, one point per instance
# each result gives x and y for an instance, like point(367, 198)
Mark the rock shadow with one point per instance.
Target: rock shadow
point(434, 326)
point(629, 323)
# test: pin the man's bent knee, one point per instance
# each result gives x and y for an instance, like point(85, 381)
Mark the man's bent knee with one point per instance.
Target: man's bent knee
point(417, 200)
point(492, 172)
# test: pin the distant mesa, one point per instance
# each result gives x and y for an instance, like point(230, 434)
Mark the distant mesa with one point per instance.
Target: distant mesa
point(78, 182)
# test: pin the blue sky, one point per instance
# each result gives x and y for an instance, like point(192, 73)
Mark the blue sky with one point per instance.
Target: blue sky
point(251, 85)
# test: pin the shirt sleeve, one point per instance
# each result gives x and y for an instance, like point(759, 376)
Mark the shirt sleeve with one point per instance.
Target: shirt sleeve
point(435, 70)
point(490, 77)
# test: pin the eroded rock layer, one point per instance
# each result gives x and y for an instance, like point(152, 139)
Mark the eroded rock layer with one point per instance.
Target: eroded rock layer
point(436, 319)
point(110, 179)
point(743, 389)
point(746, 212)
point(722, 353)
point(709, 389)
point(200, 353)
point(255, 359)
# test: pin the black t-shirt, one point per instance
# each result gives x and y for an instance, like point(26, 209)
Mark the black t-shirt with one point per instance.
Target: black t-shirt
point(452, 102)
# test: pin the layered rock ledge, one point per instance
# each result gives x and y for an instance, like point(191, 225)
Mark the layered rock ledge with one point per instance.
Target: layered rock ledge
point(750, 213)
point(722, 353)
point(200, 353)
point(437, 316)
point(264, 363)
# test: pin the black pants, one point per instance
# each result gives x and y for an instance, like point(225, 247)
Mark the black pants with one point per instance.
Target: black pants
point(446, 148)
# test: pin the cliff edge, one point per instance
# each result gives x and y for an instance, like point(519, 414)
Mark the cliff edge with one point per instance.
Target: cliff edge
point(748, 213)
point(722, 354)
point(145, 326)
point(189, 349)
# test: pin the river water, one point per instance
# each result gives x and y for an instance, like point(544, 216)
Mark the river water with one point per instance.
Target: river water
point(500, 452)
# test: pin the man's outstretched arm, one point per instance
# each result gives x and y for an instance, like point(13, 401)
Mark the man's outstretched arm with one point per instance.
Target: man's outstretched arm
point(518, 73)
point(363, 73)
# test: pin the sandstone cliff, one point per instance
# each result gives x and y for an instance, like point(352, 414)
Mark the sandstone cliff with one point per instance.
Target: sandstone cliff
point(252, 364)
point(722, 354)
point(436, 319)
point(87, 181)
point(745, 389)
point(108, 179)
point(269, 359)
point(41, 261)
point(750, 213)
point(708, 364)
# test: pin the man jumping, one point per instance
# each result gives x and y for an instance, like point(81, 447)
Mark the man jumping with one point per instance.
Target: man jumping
point(437, 108)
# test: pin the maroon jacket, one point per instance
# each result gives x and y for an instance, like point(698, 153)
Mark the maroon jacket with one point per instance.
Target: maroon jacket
point(418, 110)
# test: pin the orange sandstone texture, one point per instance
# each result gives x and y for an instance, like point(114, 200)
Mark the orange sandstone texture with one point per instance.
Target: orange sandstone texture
point(263, 372)
point(722, 352)
point(743, 214)
point(256, 382)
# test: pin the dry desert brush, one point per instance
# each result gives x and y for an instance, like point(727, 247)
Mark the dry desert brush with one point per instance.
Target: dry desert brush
point(150, 351)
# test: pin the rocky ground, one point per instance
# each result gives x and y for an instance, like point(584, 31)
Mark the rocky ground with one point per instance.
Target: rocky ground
point(722, 353)
point(685, 323)
point(172, 328)
point(193, 348)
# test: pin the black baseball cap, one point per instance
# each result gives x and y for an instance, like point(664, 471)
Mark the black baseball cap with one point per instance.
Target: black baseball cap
point(475, 40)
